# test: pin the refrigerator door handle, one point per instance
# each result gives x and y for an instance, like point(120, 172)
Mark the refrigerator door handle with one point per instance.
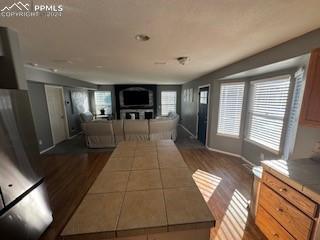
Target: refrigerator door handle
point(2, 198)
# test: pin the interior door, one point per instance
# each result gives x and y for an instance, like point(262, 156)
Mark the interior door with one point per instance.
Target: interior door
point(202, 114)
point(56, 113)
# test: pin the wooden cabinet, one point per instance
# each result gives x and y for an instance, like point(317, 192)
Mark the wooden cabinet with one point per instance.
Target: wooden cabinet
point(291, 195)
point(291, 218)
point(310, 111)
point(270, 227)
point(284, 212)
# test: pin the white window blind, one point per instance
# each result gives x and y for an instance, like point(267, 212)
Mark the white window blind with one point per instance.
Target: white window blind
point(268, 103)
point(103, 101)
point(230, 108)
point(294, 114)
point(168, 102)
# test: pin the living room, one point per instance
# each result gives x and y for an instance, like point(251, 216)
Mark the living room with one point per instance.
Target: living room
point(140, 120)
point(86, 103)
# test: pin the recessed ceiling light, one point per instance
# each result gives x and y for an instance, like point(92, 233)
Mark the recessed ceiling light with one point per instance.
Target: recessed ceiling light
point(142, 37)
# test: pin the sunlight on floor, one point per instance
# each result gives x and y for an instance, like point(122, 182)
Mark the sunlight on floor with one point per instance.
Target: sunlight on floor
point(234, 221)
point(206, 183)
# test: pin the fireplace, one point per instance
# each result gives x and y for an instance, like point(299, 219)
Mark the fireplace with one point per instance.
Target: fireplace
point(136, 101)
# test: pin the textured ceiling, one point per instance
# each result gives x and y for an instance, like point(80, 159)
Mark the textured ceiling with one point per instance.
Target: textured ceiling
point(213, 33)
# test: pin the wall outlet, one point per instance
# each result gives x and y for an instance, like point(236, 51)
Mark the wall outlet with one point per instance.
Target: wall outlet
point(40, 142)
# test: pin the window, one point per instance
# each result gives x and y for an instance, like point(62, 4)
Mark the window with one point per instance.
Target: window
point(230, 108)
point(268, 103)
point(203, 97)
point(103, 101)
point(168, 102)
point(294, 114)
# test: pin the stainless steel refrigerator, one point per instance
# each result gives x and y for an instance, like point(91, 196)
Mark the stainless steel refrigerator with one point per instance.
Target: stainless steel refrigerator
point(24, 210)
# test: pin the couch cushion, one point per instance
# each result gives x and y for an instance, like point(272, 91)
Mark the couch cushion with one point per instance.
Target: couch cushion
point(160, 129)
point(98, 134)
point(136, 130)
point(172, 115)
point(118, 130)
point(159, 125)
point(97, 128)
point(86, 117)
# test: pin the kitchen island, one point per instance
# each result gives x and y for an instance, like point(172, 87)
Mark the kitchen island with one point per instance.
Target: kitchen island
point(145, 191)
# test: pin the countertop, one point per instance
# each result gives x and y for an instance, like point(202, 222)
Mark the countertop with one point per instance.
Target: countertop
point(301, 174)
point(144, 188)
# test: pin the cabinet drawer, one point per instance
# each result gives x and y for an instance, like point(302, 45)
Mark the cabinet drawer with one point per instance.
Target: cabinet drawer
point(296, 198)
point(270, 227)
point(292, 219)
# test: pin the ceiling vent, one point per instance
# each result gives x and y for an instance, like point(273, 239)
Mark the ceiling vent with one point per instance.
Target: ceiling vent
point(142, 37)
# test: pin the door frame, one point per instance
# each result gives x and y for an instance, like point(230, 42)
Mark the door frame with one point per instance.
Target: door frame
point(208, 111)
point(66, 124)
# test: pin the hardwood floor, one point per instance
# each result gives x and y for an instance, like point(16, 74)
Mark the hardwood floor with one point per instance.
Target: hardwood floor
point(68, 178)
point(223, 181)
point(225, 185)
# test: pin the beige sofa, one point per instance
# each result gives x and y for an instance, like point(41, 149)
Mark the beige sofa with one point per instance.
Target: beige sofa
point(164, 127)
point(136, 130)
point(118, 130)
point(104, 133)
point(160, 129)
point(98, 134)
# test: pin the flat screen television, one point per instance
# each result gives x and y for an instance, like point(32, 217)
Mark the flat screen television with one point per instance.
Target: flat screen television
point(135, 98)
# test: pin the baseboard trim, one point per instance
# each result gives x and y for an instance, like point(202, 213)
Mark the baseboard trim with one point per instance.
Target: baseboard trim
point(47, 149)
point(73, 136)
point(187, 130)
point(231, 154)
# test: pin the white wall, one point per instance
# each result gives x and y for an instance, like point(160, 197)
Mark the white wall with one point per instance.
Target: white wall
point(307, 137)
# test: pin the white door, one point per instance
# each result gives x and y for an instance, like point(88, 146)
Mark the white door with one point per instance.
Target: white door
point(56, 113)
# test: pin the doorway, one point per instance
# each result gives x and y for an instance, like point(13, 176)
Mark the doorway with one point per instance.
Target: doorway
point(57, 113)
point(203, 104)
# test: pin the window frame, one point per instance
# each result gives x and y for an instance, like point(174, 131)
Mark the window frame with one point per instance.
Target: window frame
point(243, 107)
point(161, 104)
point(95, 103)
point(285, 117)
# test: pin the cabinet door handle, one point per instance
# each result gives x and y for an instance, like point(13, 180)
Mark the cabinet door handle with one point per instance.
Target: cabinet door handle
point(276, 235)
point(283, 190)
point(279, 209)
